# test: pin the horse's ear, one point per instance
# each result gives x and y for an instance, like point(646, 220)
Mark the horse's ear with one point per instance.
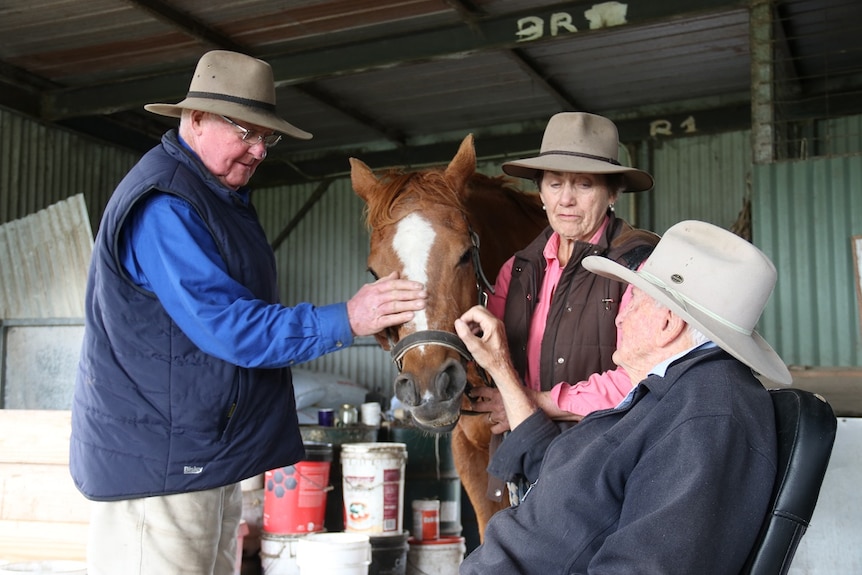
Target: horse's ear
point(363, 179)
point(463, 165)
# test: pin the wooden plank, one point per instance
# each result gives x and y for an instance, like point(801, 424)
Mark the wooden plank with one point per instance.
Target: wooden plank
point(35, 436)
point(842, 387)
point(40, 493)
point(39, 541)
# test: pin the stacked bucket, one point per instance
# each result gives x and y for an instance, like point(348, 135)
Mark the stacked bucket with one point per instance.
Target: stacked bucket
point(341, 510)
point(299, 537)
point(373, 480)
point(294, 506)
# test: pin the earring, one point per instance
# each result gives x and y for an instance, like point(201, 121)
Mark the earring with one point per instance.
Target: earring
point(611, 207)
point(544, 207)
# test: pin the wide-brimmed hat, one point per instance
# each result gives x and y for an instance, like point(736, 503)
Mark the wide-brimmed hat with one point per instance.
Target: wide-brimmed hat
point(714, 280)
point(233, 85)
point(580, 142)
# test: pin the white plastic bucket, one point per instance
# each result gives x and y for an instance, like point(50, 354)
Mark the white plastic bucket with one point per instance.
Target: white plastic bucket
point(373, 480)
point(333, 554)
point(45, 567)
point(278, 553)
point(436, 556)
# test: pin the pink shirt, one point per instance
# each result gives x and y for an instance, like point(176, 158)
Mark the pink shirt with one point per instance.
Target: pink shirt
point(600, 391)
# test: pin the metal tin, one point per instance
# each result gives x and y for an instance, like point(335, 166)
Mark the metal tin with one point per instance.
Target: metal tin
point(325, 417)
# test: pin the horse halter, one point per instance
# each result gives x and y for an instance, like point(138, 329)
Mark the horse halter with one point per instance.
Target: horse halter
point(444, 338)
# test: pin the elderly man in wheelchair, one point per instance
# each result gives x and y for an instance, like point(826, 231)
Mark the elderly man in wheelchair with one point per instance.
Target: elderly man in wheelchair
point(697, 470)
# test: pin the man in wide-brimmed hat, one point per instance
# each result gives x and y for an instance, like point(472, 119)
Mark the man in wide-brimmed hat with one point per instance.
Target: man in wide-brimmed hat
point(677, 478)
point(184, 387)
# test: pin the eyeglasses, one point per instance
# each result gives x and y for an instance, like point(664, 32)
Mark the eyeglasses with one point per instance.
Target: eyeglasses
point(251, 137)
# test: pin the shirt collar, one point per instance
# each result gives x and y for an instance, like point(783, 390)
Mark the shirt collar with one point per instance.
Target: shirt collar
point(553, 244)
point(661, 368)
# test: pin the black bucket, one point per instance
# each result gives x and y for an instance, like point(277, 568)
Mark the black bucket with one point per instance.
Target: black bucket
point(389, 554)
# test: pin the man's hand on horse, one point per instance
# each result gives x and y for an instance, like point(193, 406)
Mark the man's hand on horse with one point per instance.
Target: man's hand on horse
point(388, 302)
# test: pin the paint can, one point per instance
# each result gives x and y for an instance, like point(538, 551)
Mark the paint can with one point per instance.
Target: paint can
point(295, 496)
point(278, 553)
point(426, 519)
point(373, 478)
point(333, 554)
point(435, 557)
point(337, 436)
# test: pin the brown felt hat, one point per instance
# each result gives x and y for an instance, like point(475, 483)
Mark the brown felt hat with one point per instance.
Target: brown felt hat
point(233, 85)
point(581, 143)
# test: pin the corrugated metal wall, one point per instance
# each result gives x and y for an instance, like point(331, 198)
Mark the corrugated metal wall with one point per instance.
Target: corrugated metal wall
point(699, 177)
point(40, 166)
point(323, 261)
point(840, 136)
point(805, 214)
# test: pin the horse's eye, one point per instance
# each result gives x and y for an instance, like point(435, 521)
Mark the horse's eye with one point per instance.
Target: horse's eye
point(466, 257)
point(373, 274)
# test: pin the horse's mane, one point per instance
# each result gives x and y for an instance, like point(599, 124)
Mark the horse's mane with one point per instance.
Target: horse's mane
point(403, 188)
point(400, 188)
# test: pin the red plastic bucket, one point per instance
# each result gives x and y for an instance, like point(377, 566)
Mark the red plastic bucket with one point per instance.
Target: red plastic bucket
point(294, 499)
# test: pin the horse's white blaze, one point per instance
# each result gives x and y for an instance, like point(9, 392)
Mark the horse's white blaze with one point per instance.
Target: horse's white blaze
point(413, 242)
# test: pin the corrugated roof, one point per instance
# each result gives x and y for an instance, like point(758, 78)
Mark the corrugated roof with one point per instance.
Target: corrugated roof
point(391, 80)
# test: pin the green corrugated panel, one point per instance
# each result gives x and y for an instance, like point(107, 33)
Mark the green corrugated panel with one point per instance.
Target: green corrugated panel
point(840, 136)
point(805, 214)
point(700, 178)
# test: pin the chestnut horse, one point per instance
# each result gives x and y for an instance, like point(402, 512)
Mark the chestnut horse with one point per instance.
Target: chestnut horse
point(442, 227)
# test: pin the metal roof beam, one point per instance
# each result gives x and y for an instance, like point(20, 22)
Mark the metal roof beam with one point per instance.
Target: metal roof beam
point(498, 32)
point(194, 28)
point(522, 139)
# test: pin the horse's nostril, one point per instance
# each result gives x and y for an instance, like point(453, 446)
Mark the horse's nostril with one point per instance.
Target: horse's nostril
point(405, 390)
point(451, 380)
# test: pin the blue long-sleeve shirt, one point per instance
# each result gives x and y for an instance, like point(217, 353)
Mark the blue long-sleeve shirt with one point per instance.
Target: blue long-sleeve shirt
point(167, 249)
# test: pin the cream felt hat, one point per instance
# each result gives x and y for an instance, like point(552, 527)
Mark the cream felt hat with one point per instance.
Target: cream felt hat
point(233, 85)
point(714, 280)
point(580, 142)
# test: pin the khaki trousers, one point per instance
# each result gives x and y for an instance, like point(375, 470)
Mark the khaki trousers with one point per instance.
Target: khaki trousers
point(184, 534)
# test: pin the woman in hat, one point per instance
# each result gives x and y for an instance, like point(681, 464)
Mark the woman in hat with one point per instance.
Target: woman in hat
point(559, 318)
point(184, 384)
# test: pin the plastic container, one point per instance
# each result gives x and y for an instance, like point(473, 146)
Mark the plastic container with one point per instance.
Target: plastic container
point(333, 554)
point(373, 478)
point(337, 436)
point(295, 496)
point(278, 553)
